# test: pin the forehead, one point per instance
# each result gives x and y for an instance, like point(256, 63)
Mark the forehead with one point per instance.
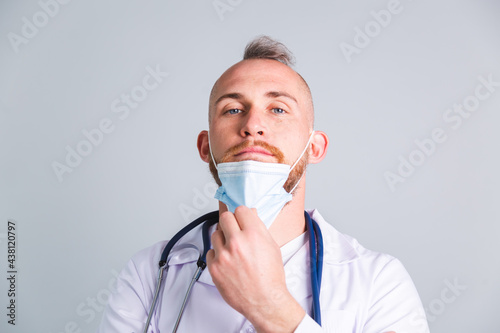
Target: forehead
point(258, 76)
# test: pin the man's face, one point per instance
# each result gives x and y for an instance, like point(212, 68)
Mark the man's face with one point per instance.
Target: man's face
point(260, 110)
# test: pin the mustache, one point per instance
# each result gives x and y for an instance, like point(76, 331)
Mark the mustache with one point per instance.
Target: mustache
point(275, 151)
point(295, 174)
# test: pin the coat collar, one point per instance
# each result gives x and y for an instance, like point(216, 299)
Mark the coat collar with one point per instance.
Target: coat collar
point(338, 248)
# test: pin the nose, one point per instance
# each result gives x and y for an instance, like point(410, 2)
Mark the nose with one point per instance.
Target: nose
point(253, 124)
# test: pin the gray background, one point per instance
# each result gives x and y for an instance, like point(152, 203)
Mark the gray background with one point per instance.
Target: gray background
point(145, 179)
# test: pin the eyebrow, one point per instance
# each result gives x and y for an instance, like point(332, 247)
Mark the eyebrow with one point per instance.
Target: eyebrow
point(230, 96)
point(272, 94)
point(275, 94)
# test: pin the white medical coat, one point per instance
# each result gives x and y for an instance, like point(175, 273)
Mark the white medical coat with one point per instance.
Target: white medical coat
point(361, 291)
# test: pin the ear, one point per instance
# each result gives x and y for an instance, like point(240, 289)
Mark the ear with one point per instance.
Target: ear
point(319, 146)
point(203, 146)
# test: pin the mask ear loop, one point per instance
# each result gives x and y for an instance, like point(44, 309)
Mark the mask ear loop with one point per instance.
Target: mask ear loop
point(297, 161)
point(303, 152)
point(211, 154)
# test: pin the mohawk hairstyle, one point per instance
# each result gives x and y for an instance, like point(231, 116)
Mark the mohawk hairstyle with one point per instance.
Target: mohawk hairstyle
point(264, 47)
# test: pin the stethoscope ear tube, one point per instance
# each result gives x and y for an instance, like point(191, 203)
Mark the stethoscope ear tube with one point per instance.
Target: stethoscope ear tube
point(201, 266)
point(155, 298)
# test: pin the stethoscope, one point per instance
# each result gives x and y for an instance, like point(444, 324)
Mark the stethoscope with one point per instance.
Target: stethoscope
point(315, 246)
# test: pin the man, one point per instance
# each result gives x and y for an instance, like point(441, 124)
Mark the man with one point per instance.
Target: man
point(259, 142)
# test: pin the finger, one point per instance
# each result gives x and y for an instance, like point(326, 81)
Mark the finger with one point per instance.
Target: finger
point(210, 257)
point(228, 224)
point(248, 218)
point(218, 239)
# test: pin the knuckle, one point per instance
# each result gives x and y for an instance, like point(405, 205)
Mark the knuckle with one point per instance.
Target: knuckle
point(210, 256)
point(234, 247)
point(213, 269)
point(224, 258)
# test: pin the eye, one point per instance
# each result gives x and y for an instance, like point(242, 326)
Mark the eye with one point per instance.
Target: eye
point(278, 110)
point(234, 111)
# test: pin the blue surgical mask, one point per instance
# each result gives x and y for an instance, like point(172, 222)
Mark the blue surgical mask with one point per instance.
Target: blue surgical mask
point(255, 185)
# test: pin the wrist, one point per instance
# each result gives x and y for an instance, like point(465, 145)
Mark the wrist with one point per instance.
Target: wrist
point(284, 316)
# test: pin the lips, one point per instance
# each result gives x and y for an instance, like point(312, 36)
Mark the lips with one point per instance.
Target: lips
point(254, 150)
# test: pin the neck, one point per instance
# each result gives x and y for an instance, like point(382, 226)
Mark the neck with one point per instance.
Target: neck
point(290, 223)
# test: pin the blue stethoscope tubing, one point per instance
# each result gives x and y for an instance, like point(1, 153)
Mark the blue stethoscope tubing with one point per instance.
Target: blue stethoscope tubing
point(209, 219)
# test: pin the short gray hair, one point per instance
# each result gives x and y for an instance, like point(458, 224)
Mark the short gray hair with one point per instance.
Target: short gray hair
point(264, 47)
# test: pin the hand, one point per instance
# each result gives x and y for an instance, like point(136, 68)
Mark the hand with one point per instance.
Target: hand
point(247, 269)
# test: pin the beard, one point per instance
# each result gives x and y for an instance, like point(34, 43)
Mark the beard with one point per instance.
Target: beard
point(293, 178)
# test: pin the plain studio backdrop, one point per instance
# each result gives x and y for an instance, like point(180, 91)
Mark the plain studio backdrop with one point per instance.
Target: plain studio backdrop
point(101, 103)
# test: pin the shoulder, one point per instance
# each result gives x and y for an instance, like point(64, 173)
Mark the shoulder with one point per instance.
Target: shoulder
point(141, 269)
point(148, 257)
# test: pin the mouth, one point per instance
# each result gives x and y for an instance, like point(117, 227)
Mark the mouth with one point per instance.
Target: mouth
point(254, 150)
